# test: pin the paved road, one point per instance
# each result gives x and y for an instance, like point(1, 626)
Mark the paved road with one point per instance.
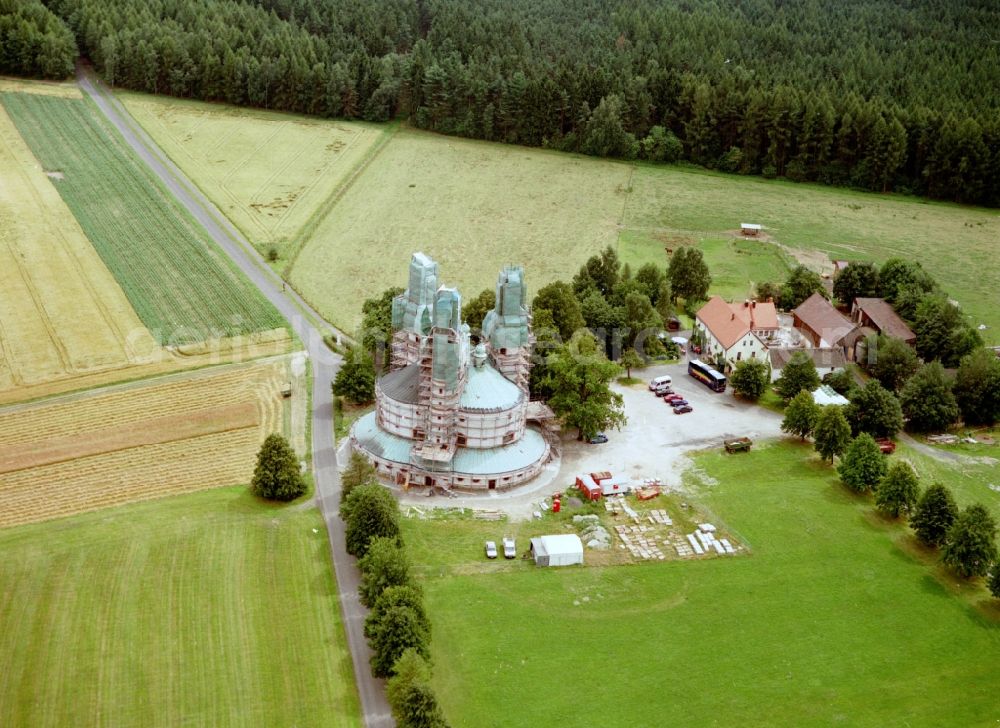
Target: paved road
point(308, 325)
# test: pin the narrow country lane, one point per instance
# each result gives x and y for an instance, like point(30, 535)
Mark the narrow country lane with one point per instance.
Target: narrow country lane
point(308, 325)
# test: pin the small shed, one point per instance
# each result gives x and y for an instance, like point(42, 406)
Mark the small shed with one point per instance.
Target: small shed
point(559, 550)
point(616, 484)
point(751, 229)
point(588, 487)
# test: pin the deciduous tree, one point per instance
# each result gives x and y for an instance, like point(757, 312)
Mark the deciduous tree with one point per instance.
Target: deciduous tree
point(688, 274)
point(896, 494)
point(558, 299)
point(475, 310)
point(971, 545)
point(579, 377)
point(400, 629)
point(359, 471)
point(934, 515)
point(384, 565)
point(801, 284)
point(798, 375)
point(355, 380)
point(892, 362)
point(371, 512)
point(875, 410)
point(857, 280)
point(977, 387)
point(832, 433)
point(800, 415)
point(750, 379)
point(927, 401)
point(862, 465)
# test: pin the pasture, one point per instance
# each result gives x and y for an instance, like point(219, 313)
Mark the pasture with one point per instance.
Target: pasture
point(140, 441)
point(182, 288)
point(212, 608)
point(272, 174)
point(834, 617)
point(958, 245)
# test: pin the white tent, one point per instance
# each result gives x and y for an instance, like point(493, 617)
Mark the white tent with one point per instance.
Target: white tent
point(560, 550)
point(826, 395)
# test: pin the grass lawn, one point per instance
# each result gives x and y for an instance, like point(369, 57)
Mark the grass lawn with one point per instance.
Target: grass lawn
point(835, 617)
point(204, 609)
point(270, 173)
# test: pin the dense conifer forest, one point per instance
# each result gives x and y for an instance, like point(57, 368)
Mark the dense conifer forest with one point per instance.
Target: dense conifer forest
point(879, 94)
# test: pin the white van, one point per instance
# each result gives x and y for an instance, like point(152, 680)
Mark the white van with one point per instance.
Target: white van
point(660, 382)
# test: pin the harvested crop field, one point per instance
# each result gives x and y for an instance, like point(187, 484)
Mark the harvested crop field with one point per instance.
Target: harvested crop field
point(65, 322)
point(182, 288)
point(139, 441)
point(271, 174)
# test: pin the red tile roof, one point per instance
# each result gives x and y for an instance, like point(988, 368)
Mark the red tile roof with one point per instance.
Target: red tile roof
point(758, 316)
point(722, 322)
point(887, 321)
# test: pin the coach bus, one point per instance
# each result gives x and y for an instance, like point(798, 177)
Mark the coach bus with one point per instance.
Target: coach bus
point(707, 375)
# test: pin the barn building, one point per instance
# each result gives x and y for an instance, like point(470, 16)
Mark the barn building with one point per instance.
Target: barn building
point(449, 414)
point(824, 326)
point(878, 315)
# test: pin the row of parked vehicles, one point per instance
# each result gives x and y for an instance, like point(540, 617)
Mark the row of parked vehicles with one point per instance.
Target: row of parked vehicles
point(661, 387)
point(509, 548)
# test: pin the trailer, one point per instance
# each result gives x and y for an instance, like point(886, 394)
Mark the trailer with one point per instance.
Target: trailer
point(738, 444)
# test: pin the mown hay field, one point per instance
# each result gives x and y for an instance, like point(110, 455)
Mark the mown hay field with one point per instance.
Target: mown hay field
point(139, 441)
point(271, 174)
point(471, 205)
point(181, 287)
point(212, 608)
point(834, 617)
point(476, 206)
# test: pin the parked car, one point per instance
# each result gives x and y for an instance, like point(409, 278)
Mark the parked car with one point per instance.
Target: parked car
point(662, 391)
point(599, 439)
point(679, 403)
point(509, 548)
point(491, 549)
point(887, 446)
point(663, 381)
point(672, 397)
point(683, 409)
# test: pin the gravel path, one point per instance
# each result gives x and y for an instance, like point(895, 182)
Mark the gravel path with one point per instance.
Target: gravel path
point(308, 325)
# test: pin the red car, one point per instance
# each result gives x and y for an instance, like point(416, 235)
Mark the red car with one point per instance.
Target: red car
point(672, 397)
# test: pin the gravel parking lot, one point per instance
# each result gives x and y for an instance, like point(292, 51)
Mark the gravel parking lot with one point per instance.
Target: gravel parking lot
point(653, 444)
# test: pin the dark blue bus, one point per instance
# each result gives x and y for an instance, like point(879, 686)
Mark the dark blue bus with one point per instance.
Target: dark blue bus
point(707, 375)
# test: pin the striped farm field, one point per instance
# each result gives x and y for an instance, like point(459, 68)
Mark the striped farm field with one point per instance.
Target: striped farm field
point(135, 442)
point(271, 174)
point(182, 288)
point(208, 609)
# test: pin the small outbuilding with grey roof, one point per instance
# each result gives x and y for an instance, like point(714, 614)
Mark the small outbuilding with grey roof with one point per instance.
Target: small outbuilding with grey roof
point(559, 550)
